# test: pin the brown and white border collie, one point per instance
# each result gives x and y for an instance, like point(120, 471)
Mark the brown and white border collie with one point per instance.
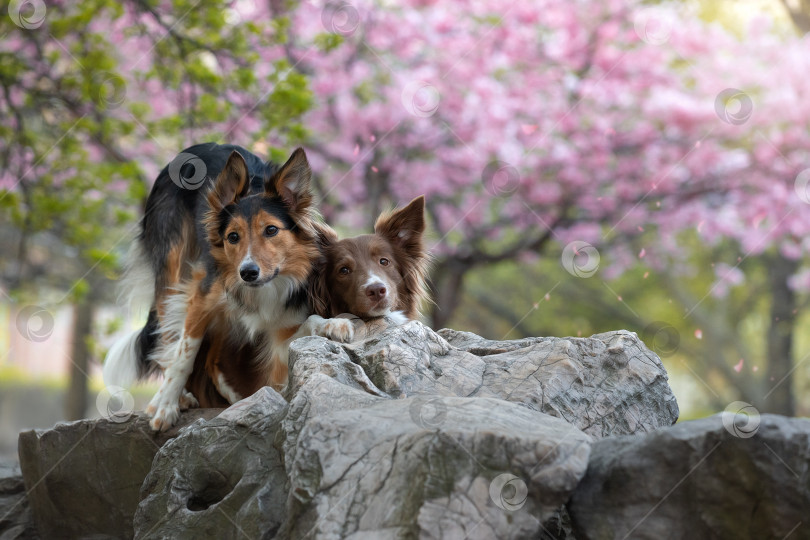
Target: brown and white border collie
point(231, 261)
point(376, 275)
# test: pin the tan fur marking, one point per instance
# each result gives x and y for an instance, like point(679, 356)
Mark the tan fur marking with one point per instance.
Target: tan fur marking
point(200, 311)
point(174, 264)
point(284, 334)
point(278, 374)
point(287, 252)
point(214, 354)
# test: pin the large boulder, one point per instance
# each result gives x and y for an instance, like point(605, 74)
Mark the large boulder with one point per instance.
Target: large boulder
point(223, 478)
point(726, 476)
point(405, 433)
point(470, 468)
point(608, 384)
point(356, 465)
point(83, 478)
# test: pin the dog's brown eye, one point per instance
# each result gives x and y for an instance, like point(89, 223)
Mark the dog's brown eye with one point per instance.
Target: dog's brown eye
point(233, 238)
point(344, 271)
point(384, 261)
point(271, 230)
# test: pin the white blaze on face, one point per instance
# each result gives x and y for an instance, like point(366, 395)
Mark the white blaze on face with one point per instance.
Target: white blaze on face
point(372, 280)
point(248, 258)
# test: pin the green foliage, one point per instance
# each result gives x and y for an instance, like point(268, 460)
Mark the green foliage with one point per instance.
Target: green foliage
point(328, 41)
point(290, 98)
point(88, 127)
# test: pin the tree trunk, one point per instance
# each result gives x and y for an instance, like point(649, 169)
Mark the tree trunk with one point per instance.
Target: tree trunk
point(799, 13)
point(76, 398)
point(503, 312)
point(446, 284)
point(376, 189)
point(779, 374)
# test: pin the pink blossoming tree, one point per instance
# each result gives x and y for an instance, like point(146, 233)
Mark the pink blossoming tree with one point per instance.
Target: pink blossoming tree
point(587, 125)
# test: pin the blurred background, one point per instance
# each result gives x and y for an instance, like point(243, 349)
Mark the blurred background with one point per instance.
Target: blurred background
point(588, 166)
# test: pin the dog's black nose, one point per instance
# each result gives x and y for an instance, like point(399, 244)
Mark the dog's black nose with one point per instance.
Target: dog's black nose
point(249, 272)
point(376, 291)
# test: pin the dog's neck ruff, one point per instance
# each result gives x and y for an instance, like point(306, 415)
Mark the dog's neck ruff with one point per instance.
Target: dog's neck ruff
point(259, 308)
point(254, 299)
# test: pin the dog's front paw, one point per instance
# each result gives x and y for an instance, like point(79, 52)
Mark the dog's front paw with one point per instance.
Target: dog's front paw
point(164, 411)
point(165, 417)
point(337, 330)
point(188, 401)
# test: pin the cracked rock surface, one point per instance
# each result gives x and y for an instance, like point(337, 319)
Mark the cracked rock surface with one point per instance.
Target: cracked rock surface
point(381, 470)
point(608, 384)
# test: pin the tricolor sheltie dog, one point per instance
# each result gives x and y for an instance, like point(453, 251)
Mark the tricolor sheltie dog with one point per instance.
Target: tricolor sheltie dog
point(376, 275)
point(231, 264)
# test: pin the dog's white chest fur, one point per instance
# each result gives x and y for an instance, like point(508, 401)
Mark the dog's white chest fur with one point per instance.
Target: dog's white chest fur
point(257, 311)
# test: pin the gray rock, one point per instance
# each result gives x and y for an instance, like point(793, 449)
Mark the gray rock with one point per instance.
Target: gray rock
point(317, 355)
point(606, 385)
point(221, 478)
point(406, 433)
point(16, 520)
point(435, 468)
point(83, 478)
point(319, 395)
point(700, 479)
point(609, 384)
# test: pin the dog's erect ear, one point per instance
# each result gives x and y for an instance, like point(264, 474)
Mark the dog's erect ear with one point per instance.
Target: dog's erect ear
point(232, 184)
point(292, 182)
point(403, 227)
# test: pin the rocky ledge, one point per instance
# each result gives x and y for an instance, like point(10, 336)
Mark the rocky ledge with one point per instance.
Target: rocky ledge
point(415, 433)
